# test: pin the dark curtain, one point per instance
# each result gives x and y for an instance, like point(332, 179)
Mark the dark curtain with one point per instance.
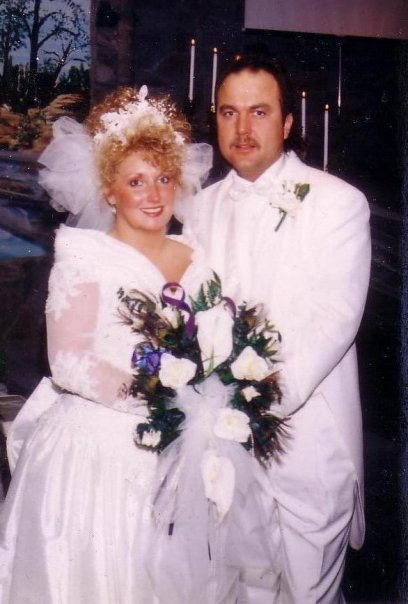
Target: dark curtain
point(404, 335)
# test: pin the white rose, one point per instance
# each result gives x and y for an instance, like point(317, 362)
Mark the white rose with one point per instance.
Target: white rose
point(218, 475)
point(232, 424)
point(249, 393)
point(171, 315)
point(150, 438)
point(214, 335)
point(289, 203)
point(176, 373)
point(250, 366)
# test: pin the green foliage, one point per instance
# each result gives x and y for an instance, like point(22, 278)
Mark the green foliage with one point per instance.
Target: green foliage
point(76, 80)
point(210, 293)
point(30, 129)
point(301, 190)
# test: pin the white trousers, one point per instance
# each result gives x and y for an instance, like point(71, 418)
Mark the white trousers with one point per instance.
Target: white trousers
point(314, 489)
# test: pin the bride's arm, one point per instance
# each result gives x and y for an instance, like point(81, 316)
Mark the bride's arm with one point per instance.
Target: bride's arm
point(72, 312)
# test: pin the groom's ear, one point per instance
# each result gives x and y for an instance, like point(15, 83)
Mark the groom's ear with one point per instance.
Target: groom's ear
point(287, 125)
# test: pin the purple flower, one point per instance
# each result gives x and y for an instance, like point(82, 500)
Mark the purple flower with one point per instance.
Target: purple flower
point(147, 359)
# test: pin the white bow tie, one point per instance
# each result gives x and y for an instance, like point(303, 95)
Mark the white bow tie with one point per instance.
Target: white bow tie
point(265, 192)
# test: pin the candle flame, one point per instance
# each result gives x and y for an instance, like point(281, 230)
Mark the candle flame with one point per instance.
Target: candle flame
point(192, 42)
point(326, 107)
point(304, 94)
point(215, 50)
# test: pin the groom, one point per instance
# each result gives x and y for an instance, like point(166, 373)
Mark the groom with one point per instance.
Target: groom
point(297, 240)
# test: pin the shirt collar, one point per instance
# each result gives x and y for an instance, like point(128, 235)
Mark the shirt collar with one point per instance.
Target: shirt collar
point(266, 177)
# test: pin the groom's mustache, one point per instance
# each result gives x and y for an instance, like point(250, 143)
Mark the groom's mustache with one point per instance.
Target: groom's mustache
point(244, 141)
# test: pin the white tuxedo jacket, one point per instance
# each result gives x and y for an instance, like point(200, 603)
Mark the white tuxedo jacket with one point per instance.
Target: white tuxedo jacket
point(311, 273)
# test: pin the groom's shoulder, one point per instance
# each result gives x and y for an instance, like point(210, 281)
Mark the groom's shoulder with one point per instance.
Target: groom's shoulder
point(327, 192)
point(323, 182)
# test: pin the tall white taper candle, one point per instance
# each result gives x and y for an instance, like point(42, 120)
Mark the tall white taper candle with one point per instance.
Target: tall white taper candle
point(191, 79)
point(303, 114)
point(326, 138)
point(214, 78)
point(339, 84)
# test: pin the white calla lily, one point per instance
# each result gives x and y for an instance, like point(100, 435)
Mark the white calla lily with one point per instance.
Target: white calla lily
point(218, 475)
point(214, 335)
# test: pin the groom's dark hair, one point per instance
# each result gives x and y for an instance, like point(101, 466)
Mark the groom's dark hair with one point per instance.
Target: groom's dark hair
point(275, 67)
point(272, 66)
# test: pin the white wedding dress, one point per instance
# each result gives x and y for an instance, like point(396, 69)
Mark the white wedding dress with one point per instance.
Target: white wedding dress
point(72, 528)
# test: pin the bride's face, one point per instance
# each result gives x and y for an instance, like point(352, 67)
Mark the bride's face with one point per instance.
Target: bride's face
point(143, 195)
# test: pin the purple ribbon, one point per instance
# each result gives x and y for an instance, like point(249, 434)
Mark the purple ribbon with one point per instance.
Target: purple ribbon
point(179, 304)
point(229, 302)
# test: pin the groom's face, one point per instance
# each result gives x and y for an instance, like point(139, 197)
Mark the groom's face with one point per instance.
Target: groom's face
point(251, 127)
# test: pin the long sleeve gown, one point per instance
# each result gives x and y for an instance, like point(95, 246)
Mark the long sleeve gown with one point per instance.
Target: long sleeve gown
point(72, 525)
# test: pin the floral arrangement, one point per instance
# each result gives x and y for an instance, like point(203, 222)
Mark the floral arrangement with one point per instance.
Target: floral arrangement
point(186, 344)
point(289, 199)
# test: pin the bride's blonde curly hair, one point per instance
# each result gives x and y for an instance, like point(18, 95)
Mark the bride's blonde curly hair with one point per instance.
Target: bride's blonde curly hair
point(126, 122)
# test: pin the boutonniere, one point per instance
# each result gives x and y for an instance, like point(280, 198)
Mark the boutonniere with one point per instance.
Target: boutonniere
point(289, 198)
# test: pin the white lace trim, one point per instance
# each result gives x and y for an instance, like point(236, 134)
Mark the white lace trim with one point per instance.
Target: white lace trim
point(63, 284)
point(74, 373)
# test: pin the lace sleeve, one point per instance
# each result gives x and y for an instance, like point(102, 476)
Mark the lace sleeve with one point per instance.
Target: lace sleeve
point(76, 366)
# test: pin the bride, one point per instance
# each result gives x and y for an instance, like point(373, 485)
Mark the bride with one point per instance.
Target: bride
point(75, 525)
point(72, 522)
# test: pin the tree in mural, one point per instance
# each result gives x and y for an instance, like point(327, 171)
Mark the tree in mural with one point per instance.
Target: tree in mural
point(59, 20)
point(55, 29)
point(11, 36)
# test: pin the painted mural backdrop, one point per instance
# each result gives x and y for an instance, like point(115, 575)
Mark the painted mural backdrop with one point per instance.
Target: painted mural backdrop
point(44, 68)
point(44, 73)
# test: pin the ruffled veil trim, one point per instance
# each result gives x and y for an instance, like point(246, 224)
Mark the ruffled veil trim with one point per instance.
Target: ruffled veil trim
point(70, 175)
point(71, 179)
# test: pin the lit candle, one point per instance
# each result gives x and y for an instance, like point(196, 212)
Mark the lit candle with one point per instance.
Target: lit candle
point(303, 114)
point(192, 61)
point(214, 78)
point(339, 85)
point(326, 138)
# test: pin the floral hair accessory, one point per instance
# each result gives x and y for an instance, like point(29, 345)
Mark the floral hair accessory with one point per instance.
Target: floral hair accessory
point(143, 112)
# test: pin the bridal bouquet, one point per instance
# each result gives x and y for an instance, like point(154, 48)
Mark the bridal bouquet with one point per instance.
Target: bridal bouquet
point(212, 353)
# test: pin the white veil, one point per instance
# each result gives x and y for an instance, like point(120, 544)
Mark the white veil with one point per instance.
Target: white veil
point(70, 176)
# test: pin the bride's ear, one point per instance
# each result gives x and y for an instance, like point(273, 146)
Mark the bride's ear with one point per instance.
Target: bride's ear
point(110, 199)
